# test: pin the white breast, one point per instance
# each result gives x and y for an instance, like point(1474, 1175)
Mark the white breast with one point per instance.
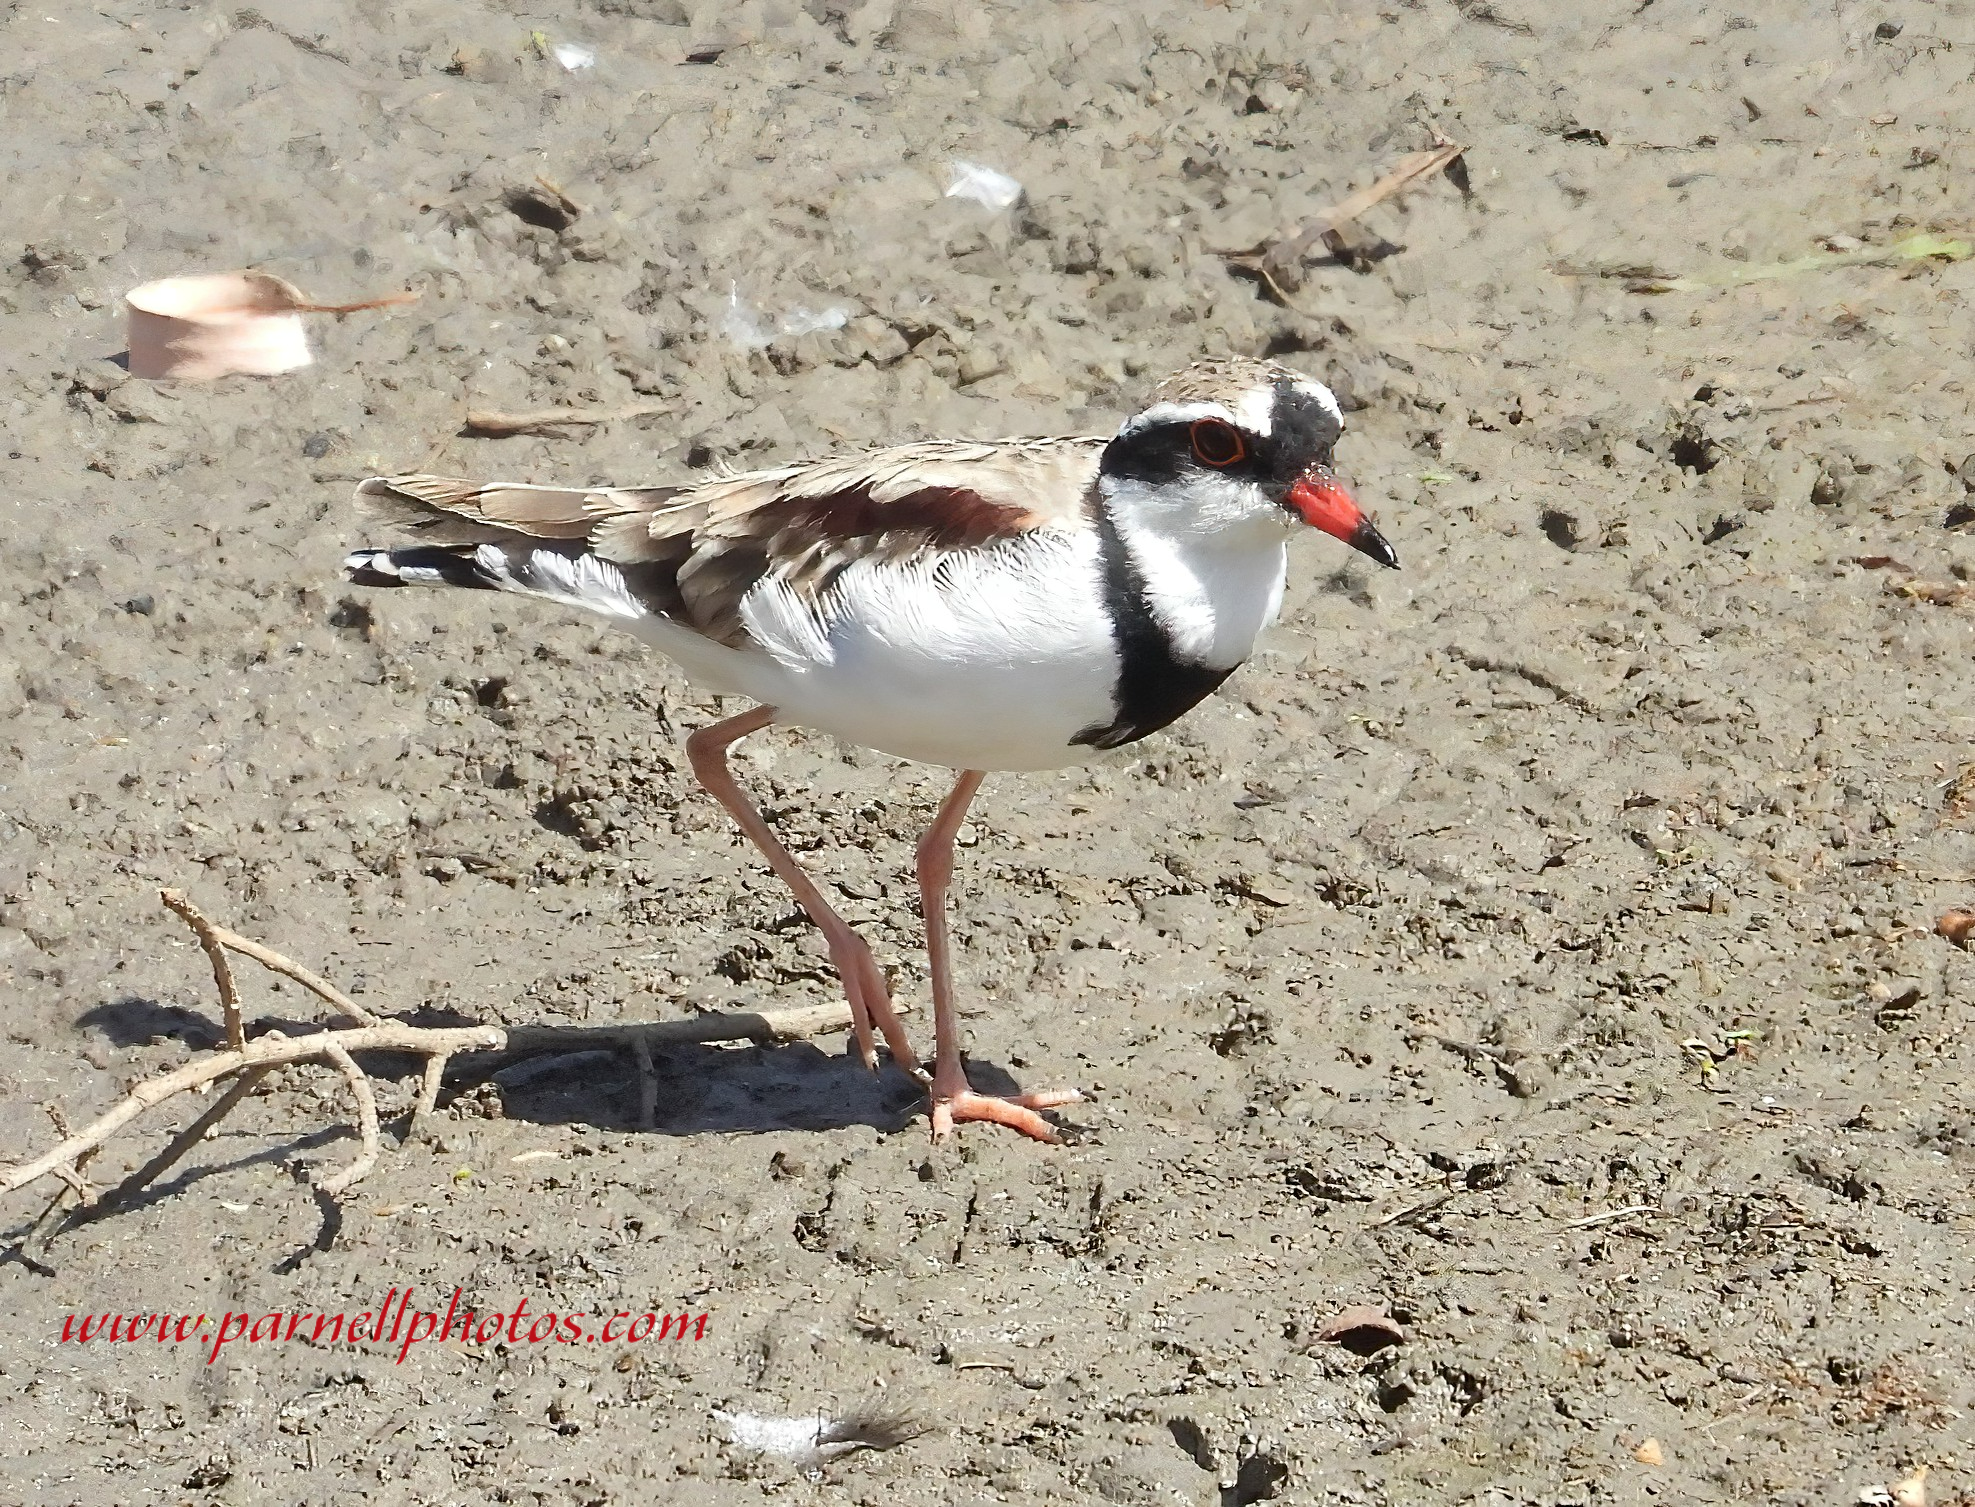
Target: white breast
point(1214, 557)
point(979, 659)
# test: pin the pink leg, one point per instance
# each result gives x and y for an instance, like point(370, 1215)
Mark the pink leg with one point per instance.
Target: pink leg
point(953, 1097)
point(864, 985)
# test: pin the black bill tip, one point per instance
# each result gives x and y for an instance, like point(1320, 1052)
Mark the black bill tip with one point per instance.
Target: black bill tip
point(1367, 540)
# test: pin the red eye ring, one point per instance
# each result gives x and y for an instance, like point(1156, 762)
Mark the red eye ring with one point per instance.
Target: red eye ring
point(1218, 444)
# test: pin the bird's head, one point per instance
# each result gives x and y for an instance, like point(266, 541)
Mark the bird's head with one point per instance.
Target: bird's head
point(1236, 445)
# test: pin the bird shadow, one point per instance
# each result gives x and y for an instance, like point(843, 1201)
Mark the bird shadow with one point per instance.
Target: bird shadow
point(710, 1089)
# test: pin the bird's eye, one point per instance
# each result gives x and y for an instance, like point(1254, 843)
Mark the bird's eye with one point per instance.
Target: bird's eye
point(1218, 444)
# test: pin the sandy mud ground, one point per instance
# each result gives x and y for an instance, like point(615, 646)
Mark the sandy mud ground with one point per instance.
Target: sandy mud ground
point(1537, 942)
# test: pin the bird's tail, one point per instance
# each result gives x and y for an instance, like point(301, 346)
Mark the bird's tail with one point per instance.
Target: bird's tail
point(497, 536)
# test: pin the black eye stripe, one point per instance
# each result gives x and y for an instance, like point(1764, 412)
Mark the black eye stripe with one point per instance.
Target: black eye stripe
point(1301, 432)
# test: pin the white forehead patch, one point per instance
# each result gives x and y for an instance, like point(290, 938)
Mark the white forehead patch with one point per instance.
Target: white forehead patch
point(1253, 411)
point(1256, 410)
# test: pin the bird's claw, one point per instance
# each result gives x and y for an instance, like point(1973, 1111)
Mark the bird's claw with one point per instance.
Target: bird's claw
point(1017, 1111)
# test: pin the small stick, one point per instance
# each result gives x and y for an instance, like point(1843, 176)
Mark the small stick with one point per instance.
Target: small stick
point(366, 1157)
point(389, 300)
point(647, 1082)
point(748, 1025)
point(1742, 1406)
point(291, 302)
point(181, 1143)
point(1269, 260)
point(492, 424)
point(229, 997)
point(34, 1245)
point(1611, 1214)
point(574, 209)
point(428, 1041)
point(273, 961)
point(252, 1060)
point(76, 1185)
point(1426, 1206)
point(428, 1092)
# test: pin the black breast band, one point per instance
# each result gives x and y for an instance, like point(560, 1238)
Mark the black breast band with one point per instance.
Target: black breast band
point(1155, 685)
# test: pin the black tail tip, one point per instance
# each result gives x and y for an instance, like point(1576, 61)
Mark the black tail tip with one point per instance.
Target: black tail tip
point(371, 567)
point(436, 565)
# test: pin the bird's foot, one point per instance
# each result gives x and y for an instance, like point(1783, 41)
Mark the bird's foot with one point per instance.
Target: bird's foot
point(1017, 1111)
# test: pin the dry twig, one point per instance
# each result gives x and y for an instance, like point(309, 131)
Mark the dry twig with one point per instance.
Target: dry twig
point(429, 1084)
point(1275, 262)
point(1610, 1214)
point(229, 997)
point(181, 1143)
point(492, 424)
point(252, 1060)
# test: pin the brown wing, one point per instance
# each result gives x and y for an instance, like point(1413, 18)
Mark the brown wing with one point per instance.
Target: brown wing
point(692, 553)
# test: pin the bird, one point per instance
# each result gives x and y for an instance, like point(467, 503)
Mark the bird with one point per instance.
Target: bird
point(1001, 605)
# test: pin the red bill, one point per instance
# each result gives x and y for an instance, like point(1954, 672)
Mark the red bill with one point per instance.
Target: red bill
point(1322, 501)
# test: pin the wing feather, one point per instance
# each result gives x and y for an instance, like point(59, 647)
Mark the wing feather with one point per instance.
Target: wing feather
point(692, 553)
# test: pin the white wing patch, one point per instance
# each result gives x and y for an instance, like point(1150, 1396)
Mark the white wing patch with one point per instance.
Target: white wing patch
point(791, 627)
point(584, 581)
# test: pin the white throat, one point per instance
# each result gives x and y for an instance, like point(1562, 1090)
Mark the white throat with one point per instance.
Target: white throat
point(1213, 565)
